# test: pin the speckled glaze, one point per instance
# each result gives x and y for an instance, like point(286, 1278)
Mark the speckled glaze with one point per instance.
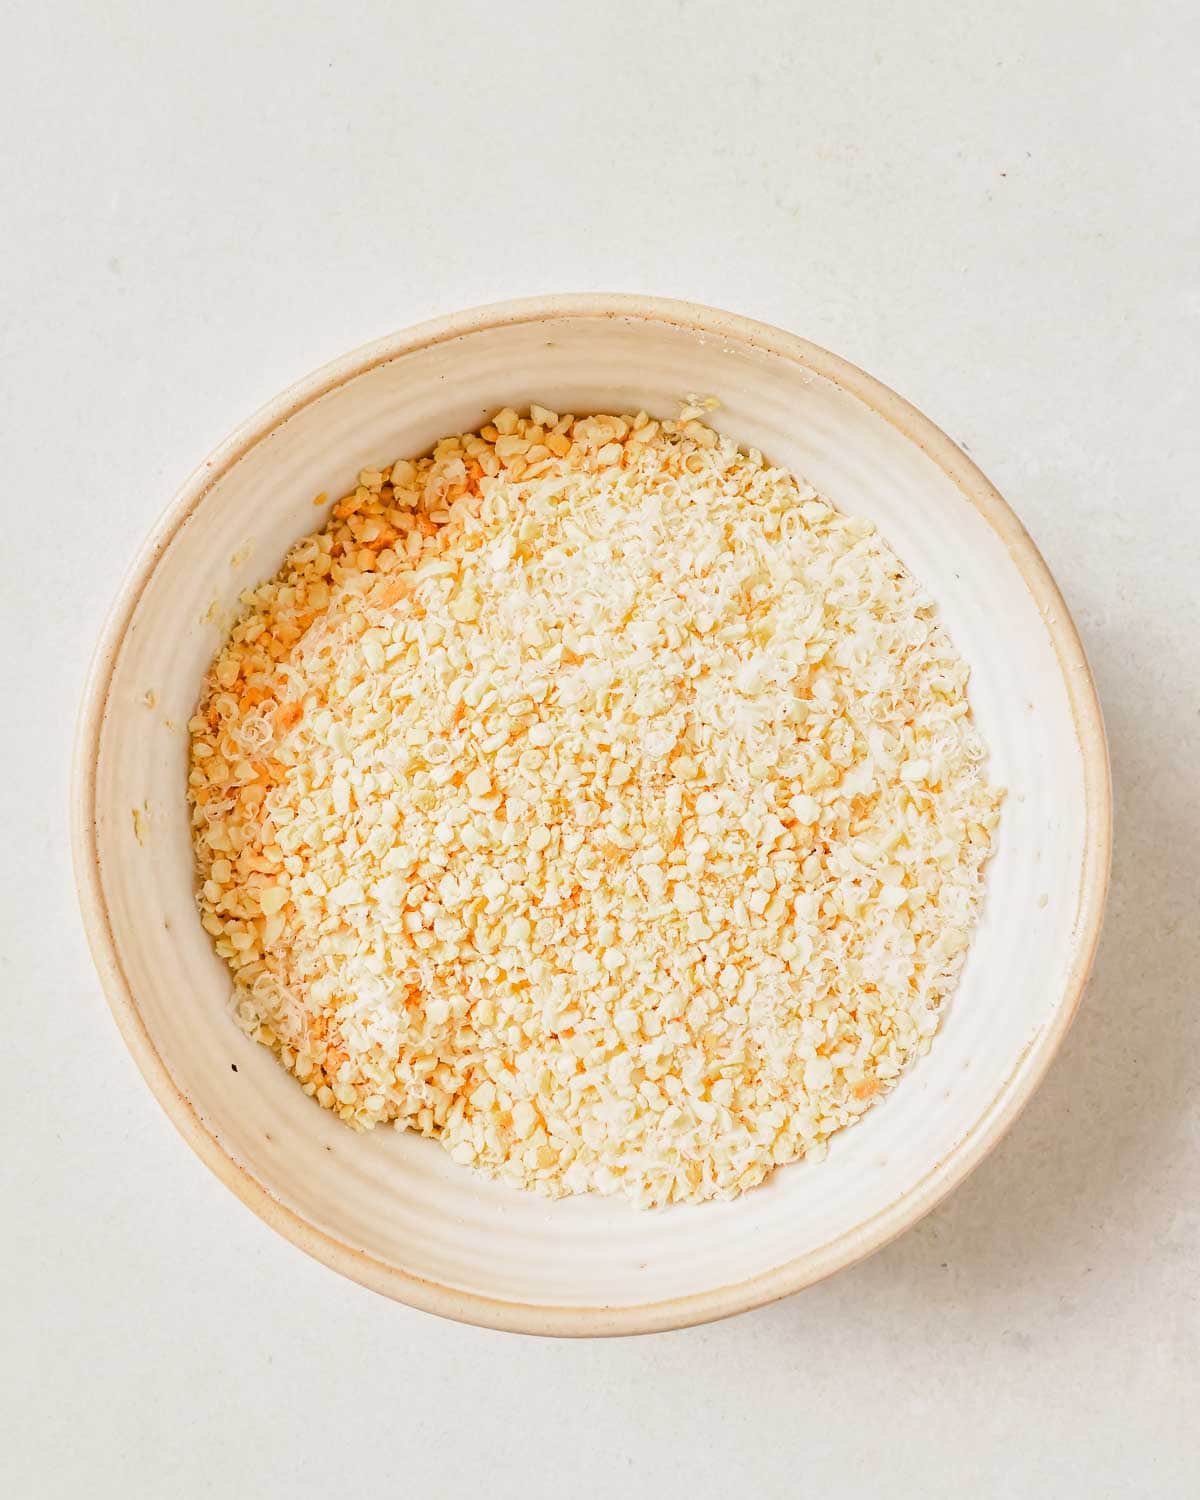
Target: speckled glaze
point(396, 1213)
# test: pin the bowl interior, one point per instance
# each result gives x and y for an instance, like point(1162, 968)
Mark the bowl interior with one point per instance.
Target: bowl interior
point(401, 1202)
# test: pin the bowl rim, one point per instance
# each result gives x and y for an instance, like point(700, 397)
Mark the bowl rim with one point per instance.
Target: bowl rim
point(793, 1275)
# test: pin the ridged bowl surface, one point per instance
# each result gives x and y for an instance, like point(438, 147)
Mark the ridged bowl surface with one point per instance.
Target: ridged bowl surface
point(395, 1212)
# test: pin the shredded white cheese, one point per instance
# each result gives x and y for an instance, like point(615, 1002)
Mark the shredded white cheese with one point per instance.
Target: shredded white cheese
point(595, 798)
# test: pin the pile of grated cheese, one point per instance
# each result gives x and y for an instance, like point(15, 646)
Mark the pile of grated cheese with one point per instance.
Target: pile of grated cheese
point(594, 798)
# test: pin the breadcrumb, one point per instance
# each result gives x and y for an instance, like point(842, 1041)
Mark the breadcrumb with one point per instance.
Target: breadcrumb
point(593, 797)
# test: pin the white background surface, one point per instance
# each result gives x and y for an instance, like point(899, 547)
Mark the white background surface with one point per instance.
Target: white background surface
point(992, 207)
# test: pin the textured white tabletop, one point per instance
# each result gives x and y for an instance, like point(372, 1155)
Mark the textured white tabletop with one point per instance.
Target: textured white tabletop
point(992, 207)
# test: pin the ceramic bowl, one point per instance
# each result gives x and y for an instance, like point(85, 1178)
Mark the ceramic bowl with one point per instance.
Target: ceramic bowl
point(395, 1212)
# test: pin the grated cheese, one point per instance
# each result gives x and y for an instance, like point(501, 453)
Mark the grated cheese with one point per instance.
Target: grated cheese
point(595, 798)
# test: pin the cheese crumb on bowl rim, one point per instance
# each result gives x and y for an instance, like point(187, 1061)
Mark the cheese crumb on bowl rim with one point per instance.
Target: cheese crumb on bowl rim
point(103, 876)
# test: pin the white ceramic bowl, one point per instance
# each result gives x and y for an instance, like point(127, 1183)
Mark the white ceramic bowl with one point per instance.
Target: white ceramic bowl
point(395, 1212)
